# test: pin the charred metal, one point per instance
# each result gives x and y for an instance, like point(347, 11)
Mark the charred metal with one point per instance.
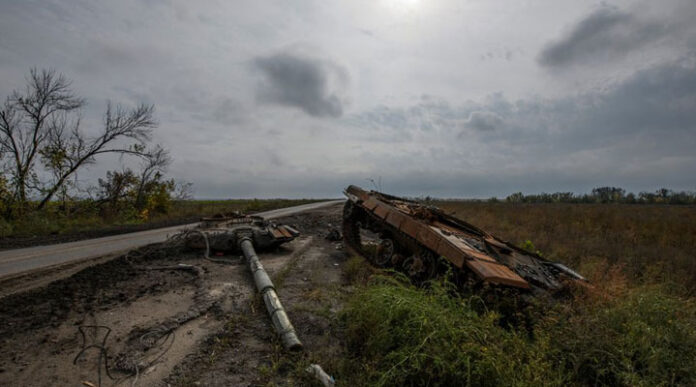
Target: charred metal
point(422, 241)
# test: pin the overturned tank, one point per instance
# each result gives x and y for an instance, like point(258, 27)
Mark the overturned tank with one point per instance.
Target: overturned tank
point(422, 241)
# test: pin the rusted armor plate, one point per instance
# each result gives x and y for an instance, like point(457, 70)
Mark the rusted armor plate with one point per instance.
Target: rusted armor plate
point(462, 244)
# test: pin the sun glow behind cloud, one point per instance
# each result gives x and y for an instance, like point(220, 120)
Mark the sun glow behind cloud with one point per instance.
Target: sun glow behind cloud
point(402, 6)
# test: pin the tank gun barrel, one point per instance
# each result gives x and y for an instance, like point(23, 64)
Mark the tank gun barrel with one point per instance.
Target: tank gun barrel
point(279, 319)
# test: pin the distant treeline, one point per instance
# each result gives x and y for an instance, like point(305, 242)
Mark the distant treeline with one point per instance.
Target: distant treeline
point(598, 195)
point(606, 195)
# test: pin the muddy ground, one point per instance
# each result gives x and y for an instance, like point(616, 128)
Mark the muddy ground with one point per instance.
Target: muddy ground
point(140, 319)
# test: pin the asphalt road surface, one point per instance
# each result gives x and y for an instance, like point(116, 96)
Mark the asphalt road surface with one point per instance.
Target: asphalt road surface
point(21, 260)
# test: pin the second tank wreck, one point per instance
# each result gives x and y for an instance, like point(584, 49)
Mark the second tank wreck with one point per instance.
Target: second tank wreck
point(422, 241)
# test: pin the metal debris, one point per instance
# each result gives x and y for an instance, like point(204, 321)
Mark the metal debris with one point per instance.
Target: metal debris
point(325, 379)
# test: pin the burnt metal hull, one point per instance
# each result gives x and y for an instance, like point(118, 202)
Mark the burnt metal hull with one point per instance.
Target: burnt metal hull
point(414, 236)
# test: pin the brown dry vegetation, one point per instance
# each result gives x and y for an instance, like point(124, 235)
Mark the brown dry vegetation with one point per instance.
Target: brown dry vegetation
point(652, 244)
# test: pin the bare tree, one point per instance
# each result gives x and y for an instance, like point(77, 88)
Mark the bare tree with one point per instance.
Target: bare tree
point(67, 148)
point(23, 119)
point(44, 122)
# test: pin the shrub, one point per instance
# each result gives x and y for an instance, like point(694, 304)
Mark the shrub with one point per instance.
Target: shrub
point(357, 270)
point(402, 335)
point(5, 228)
point(646, 337)
point(410, 336)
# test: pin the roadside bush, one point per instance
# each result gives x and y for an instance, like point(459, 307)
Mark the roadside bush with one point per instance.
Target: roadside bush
point(5, 194)
point(33, 222)
point(645, 337)
point(5, 228)
point(357, 270)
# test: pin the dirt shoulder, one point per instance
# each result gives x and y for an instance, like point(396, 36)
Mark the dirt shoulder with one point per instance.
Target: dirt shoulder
point(143, 320)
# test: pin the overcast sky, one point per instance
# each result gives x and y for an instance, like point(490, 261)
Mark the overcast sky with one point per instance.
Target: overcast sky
point(447, 98)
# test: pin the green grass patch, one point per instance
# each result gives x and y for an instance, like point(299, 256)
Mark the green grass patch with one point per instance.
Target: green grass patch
point(643, 337)
point(357, 270)
point(408, 336)
point(397, 334)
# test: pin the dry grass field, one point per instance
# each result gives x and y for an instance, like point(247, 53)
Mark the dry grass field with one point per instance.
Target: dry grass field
point(650, 244)
point(634, 326)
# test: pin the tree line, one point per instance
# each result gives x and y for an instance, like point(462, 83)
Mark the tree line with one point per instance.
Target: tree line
point(606, 195)
point(43, 146)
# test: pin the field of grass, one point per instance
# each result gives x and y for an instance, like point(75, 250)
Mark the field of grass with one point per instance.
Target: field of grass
point(650, 244)
point(635, 326)
point(85, 218)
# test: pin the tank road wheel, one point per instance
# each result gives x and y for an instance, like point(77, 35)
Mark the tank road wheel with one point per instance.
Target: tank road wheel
point(420, 267)
point(384, 253)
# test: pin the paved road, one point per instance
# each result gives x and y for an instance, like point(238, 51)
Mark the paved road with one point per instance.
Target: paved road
point(21, 260)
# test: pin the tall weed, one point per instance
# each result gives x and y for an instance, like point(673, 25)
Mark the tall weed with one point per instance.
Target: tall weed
point(403, 335)
point(416, 337)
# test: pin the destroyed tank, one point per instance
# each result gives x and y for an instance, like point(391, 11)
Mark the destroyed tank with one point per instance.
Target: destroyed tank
point(423, 241)
point(224, 232)
point(247, 233)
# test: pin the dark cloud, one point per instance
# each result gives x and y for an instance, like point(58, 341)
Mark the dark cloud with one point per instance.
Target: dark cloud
point(655, 105)
point(312, 85)
point(604, 34)
point(398, 124)
point(657, 99)
point(427, 114)
point(381, 117)
point(638, 131)
point(431, 114)
point(229, 112)
point(484, 120)
point(506, 54)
